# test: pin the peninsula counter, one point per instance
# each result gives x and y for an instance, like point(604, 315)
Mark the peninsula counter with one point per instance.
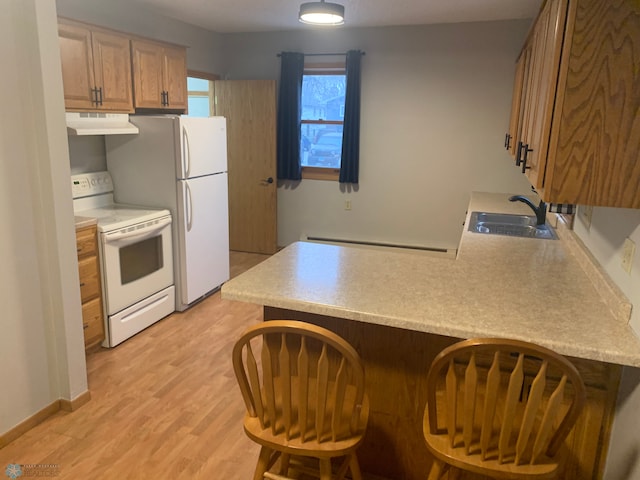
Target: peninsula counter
point(400, 308)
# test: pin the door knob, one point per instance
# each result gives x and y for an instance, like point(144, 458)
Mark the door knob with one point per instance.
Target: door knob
point(268, 180)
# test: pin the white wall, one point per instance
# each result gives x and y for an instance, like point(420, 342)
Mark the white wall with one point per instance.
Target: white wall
point(605, 238)
point(435, 106)
point(41, 345)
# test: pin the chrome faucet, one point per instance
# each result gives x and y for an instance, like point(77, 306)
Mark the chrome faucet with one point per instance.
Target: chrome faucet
point(540, 210)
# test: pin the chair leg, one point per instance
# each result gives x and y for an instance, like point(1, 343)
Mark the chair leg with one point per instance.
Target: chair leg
point(437, 469)
point(284, 464)
point(263, 463)
point(325, 469)
point(354, 466)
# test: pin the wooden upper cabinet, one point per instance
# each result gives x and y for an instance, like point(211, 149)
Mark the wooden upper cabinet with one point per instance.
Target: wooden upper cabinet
point(96, 69)
point(160, 76)
point(543, 50)
point(147, 68)
point(515, 122)
point(175, 76)
point(579, 108)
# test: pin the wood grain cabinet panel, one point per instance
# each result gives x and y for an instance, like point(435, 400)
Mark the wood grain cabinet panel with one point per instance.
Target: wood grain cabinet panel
point(160, 76)
point(175, 77)
point(92, 323)
point(89, 278)
point(96, 68)
point(90, 285)
point(580, 104)
point(514, 135)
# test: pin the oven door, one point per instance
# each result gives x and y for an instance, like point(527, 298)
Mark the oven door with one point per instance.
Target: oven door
point(137, 262)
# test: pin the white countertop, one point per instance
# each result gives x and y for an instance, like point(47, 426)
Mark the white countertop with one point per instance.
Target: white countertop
point(528, 289)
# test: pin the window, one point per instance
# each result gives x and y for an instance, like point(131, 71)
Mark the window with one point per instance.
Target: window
point(322, 119)
point(200, 94)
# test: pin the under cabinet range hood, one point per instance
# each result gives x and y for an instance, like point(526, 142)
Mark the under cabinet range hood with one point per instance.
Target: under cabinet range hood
point(93, 123)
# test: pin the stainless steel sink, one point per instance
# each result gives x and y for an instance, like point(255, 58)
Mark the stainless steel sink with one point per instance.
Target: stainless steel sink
point(511, 225)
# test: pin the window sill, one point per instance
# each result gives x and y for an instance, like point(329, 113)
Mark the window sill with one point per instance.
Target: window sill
point(320, 173)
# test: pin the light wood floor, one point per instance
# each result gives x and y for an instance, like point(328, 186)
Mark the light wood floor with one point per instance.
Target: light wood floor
point(164, 404)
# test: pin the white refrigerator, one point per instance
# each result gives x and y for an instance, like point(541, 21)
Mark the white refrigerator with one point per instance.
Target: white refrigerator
point(180, 163)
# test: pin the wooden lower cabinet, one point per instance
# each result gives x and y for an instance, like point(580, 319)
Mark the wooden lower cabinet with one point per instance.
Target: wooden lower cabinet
point(396, 363)
point(90, 287)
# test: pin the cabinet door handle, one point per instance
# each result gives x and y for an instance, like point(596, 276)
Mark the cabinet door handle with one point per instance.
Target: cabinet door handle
point(94, 95)
point(99, 101)
point(519, 154)
point(507, 141)
point(82, 284)
point(85, 326)
point(167, 98)
point(524, 159)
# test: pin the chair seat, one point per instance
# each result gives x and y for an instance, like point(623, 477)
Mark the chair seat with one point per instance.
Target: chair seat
point(326, 447)
point(456, 456)
point(295, 446)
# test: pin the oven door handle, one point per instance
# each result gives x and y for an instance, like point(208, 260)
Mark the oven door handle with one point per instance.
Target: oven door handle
point(137, 234)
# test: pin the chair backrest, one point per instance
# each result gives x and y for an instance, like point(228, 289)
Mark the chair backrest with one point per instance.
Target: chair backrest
point(507, 400)
point(300, 380)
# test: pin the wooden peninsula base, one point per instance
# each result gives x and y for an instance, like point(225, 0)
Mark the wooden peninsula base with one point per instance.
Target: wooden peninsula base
point(396, 363)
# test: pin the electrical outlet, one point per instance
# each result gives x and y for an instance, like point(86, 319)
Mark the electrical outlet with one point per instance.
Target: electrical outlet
point(586, 211)
point(628, 251)
point(347, 204)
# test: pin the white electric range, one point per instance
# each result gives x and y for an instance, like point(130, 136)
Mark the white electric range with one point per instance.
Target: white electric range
point(136, 257)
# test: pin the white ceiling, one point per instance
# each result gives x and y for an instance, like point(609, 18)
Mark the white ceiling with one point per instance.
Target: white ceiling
point(226, 16)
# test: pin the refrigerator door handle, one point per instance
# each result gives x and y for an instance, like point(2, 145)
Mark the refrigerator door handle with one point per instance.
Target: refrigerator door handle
point(186, 152)
point(189, 209)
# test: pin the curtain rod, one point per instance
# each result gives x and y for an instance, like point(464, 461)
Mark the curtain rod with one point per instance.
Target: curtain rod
point(322, 54)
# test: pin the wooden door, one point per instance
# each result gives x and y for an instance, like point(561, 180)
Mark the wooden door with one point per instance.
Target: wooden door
point(77, 67)
point(175, 77)
point(147, 74)
point(112, 67)
point(250, 109)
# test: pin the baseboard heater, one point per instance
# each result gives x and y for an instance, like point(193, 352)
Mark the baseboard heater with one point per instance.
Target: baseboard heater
point(362, 243)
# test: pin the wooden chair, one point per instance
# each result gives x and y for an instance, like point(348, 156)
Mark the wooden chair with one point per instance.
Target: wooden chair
point(303, 387)
point(500, 408)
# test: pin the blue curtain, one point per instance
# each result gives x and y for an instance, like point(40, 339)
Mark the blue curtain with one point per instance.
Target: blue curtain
point(350, 166)
point(289, 98)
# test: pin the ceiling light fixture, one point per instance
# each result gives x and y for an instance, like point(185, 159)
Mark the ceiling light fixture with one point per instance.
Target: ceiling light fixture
point(321, 13)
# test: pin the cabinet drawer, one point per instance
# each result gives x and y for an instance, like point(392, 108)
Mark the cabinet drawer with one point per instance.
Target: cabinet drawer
point(89, 279)
point(86, 243)
point(92, 322)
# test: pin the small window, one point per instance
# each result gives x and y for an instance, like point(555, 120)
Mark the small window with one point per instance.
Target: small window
point(200, 94)
point(322, 119)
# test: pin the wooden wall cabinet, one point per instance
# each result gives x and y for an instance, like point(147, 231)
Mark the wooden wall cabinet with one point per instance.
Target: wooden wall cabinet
point(90, 287)
point(96, 69)
point(160, 76)
point(574, 123)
